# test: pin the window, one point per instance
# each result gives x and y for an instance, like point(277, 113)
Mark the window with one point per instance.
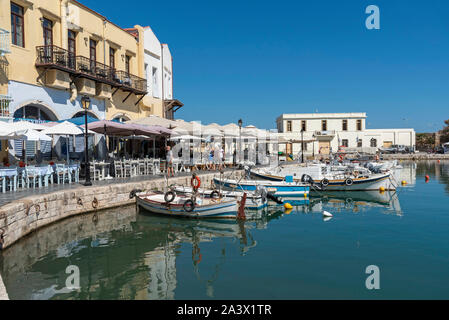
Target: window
point(71, 41)
point(344, 142)
point(345, 125)
point(47, 26)
point(155, 83)
point(112, 58)
point(289, 126)
point(359, 143)
point(324, 125)
point(17, 25)
point(303, 125)
point(359, 125)
point(373, 143)
point(127, 62)
point(93, 54)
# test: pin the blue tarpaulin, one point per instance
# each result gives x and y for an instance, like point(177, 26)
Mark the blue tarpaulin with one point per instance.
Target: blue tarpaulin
point(79, 121)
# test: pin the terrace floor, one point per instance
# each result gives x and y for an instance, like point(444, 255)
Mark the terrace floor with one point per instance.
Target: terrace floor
point(8, 196)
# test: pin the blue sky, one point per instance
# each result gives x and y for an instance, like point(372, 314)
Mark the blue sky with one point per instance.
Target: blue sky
point(258, 59)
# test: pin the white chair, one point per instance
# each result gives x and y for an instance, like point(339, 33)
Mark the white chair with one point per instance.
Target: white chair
point(61, 173)
point(31, 176)
point(118, 169)
point(127, 169)
point(94, 171)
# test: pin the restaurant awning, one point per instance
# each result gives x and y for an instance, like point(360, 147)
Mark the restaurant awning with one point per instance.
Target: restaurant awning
point(112, 128)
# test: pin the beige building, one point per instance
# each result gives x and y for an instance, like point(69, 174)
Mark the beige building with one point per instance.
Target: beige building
point(59, 51)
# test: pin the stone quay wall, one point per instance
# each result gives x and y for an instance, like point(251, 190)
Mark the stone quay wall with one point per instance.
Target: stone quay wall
point(415, 156)
point(21, 217)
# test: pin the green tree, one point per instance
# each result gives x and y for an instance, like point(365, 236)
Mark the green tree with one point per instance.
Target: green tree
point(445, 132)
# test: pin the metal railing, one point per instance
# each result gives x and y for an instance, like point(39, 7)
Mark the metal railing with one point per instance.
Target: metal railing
point(96, 70)
point(61, 58)
point(4, 42)
point(4, 105)
point(131, 81)
point(56, 56)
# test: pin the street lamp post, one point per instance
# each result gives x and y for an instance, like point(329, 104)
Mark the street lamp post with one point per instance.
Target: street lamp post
point(240, 122)
point(85, 100)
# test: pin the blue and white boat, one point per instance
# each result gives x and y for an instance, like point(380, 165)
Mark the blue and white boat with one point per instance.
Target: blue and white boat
point(284, 189)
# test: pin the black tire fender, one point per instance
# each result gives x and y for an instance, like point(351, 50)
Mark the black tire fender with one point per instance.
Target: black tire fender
point(325, 182)
point(169, 196)
point(215, 194)
point(188, 206)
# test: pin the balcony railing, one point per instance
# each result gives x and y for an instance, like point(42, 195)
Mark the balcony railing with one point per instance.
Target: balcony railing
point(4, 42)
point(4, 105)
point(96, 70)
point(56, 57)
point(131, 81)
point(53, 56)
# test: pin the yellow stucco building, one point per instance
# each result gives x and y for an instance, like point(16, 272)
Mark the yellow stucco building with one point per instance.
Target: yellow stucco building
point(60, 50)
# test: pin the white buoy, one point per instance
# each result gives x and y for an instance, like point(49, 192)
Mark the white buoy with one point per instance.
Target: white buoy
point(327, 214)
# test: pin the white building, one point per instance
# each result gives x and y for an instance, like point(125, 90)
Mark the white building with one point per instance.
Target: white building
point(159, 74)
point(323, 133)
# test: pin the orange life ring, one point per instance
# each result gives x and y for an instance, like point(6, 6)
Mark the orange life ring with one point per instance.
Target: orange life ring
point(195, 182)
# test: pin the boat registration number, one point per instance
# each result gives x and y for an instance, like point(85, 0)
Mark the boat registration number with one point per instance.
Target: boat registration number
point(272, 189)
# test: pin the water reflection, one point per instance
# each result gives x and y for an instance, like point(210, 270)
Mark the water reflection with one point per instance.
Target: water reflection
point(125, 255)
point(356, 201)
point(132, 255)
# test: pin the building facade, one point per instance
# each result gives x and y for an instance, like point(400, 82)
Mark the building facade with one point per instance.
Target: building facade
point(323, 133)
point(60, 50)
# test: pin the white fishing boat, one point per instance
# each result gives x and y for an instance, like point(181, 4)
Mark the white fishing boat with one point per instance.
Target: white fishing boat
point(185, 206)
point(254, 200)
point(330, 178)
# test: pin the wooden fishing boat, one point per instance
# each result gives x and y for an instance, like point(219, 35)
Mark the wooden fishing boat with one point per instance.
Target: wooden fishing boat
point(254, 200)
point(185, 206)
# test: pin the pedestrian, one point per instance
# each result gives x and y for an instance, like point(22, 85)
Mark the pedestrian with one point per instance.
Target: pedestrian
point(169, 158)
point(221, 159)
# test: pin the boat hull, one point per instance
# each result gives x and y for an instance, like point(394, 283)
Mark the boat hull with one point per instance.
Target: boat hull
point(253, 202)
point(221, 209)
point(278, 189)
point(375, 182)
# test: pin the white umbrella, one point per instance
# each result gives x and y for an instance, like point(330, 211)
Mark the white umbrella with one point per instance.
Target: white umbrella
point(7, 131)
point(63, 129)
point(25, 125)
point(33, 135)
point(186, 137)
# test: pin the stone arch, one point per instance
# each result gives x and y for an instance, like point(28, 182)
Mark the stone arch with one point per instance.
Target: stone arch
point(80, 113)
point(49, 112)
point(121, 116)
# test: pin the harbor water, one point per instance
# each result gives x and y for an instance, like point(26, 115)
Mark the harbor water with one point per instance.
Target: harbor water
point(126, 254)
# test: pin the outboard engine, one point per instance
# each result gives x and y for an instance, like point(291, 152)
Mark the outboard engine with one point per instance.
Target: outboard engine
point(307, 179)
